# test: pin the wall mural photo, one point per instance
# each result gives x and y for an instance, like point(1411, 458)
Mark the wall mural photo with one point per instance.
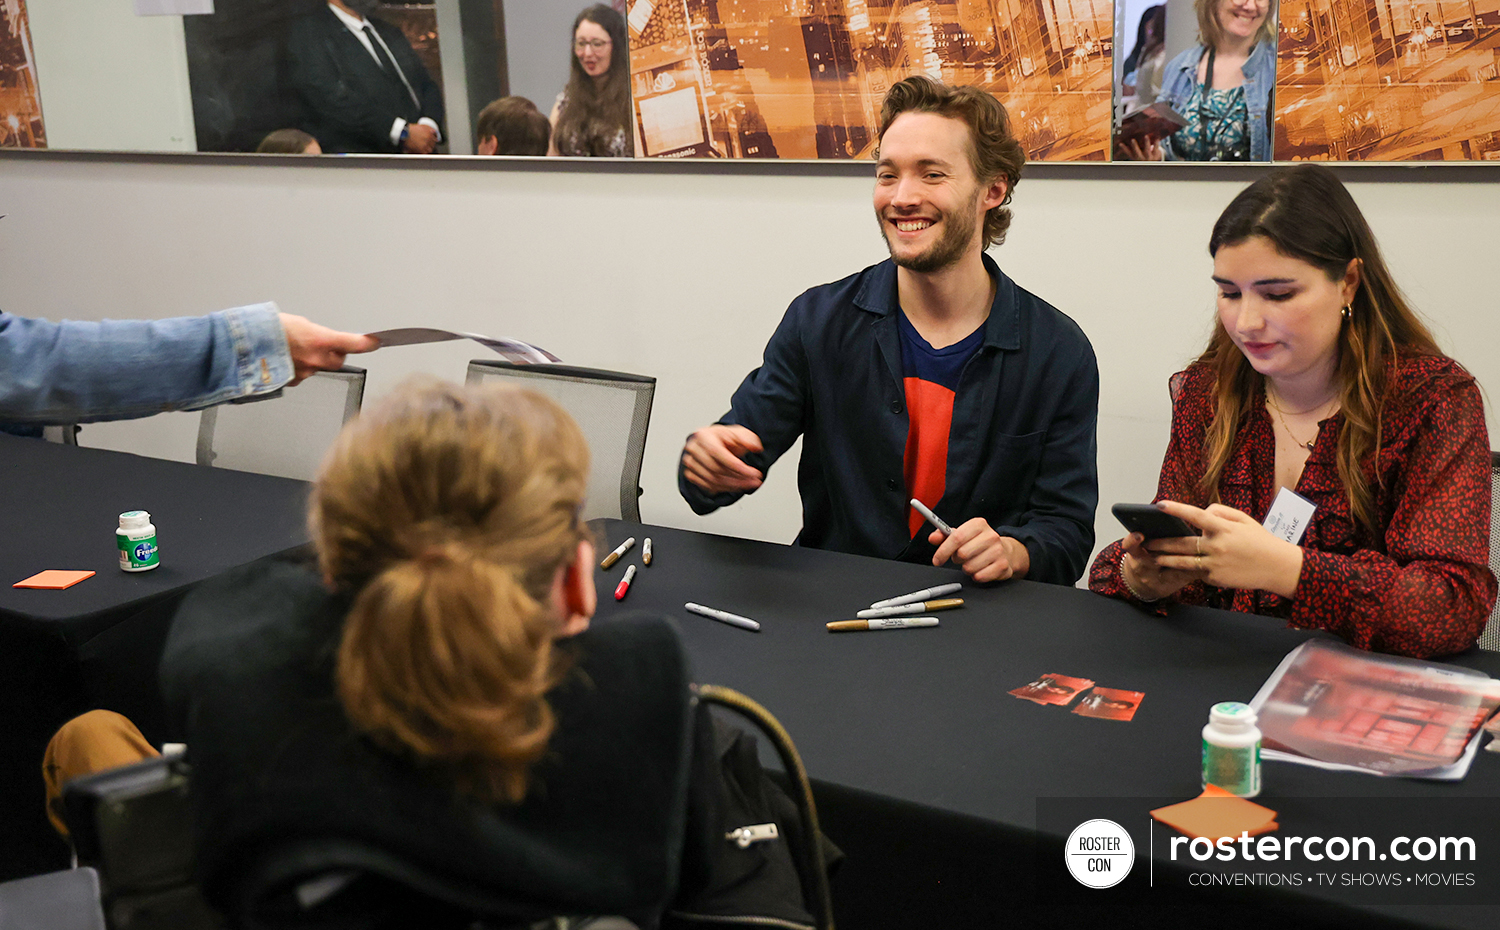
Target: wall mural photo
point(1083, 80)
point(1388, 80)
point(20, 104)
point(804, 78)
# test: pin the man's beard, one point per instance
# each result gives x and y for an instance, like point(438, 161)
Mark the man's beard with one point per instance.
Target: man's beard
point(950, 247)
point(362, 7)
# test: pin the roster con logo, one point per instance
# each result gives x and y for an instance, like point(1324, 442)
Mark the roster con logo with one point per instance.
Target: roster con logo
point(1099, 853)
point(1246, 848)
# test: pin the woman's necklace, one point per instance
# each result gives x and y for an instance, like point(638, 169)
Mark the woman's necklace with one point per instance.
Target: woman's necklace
point(1270, 399)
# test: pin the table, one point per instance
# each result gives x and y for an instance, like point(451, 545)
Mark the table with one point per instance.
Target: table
point(929, 773)
point(97, 643)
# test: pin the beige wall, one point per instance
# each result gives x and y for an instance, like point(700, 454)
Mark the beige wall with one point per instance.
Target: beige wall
point(110, 79)
point(678, 273)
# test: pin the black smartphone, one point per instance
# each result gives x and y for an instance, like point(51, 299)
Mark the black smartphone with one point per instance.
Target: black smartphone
point(1150, 522)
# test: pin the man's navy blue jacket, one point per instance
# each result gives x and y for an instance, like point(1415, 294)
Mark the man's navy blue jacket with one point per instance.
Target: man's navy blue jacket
point(1021, 448)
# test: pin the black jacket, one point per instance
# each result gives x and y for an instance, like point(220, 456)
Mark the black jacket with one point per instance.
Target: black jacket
point(1021, 449)
point(349, 103)
point(248, 675)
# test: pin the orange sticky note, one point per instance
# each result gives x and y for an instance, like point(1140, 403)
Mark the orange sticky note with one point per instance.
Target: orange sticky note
point(54, 579)
point(1215, 814)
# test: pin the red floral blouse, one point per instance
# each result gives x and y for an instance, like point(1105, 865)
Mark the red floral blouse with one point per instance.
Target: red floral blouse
point(1421, 587)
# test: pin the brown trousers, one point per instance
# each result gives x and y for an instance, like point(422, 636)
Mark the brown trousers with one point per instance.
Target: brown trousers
point(98, 740)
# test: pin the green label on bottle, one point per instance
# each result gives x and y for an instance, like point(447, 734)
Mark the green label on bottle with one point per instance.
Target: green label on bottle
point(136, 554)
point(1235, 770)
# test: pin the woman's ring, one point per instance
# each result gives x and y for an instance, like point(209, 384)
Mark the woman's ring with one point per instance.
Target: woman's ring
point(1200, 547)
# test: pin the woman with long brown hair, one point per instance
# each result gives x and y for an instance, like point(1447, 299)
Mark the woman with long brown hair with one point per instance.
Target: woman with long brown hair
point(592, 114)
point(1320, 379)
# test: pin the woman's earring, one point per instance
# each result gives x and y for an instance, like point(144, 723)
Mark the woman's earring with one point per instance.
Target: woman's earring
point(1347, 312)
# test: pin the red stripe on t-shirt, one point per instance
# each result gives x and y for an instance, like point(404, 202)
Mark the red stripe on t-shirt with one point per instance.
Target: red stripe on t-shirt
point(929, 412)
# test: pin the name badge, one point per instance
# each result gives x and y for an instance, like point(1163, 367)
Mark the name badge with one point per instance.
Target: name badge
point(1289, 516)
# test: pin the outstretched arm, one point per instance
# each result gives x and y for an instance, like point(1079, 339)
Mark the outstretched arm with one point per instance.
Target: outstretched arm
point(77, 371)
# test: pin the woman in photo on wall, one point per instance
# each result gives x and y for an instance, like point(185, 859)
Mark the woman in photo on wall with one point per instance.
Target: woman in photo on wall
point(592, 115)
point(1222, 87)
point(1143, 69)
point(1319, 379)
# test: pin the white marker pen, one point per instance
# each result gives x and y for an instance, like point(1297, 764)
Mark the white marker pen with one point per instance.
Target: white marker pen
point(646, 551)
point(906, 610)
point(932, 518)
point(620, 550)
point(881, 623)
point(723, 616)
point(922, 595)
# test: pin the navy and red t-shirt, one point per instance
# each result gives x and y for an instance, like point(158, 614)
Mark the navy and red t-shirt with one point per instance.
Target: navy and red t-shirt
point(930, 377)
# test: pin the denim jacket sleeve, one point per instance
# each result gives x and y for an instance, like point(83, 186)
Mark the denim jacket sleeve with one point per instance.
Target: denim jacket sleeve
point(74, 372)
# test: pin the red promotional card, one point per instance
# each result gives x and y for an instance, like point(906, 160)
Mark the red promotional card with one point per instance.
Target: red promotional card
point(1109, 704)
point(53, 578)
point(1052, 688)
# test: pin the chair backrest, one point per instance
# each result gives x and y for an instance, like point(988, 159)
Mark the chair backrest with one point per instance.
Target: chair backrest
point(285, 434)
point(66, 435)
point(612, 408)
point(1490, 638)
point(134, 825)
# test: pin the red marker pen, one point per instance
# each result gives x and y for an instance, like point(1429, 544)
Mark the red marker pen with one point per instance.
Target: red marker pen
point(624, 584)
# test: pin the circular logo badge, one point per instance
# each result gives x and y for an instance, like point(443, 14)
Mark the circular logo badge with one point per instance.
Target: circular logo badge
point(1099, 853)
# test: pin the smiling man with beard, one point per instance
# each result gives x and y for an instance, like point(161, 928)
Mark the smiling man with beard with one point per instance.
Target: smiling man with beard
point(929, 376)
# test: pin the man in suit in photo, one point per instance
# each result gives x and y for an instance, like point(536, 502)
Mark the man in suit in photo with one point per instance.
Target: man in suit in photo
point(362, 87)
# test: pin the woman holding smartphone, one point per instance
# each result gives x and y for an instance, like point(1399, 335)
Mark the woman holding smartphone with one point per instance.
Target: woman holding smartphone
point(1319, 378)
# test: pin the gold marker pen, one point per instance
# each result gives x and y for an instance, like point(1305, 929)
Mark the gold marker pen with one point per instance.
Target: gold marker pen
point(646, 551)
point(881, 623)
point(909, 609)
point(614, 557)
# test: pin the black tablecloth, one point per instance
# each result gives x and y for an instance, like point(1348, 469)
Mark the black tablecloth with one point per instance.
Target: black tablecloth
point(933, 771)
point(97, 643)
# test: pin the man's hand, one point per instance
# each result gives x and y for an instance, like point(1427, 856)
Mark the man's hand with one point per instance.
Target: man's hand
point(318, 348)
point(981, 552)
point(421, 139)
point(712, 459)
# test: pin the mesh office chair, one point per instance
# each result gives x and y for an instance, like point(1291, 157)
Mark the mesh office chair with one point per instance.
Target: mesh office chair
point(612, 408)
point(285, 434)
point(67, 900)
point(1490, 638)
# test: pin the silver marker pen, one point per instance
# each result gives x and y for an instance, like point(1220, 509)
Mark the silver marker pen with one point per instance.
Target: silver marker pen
point(723, 616)
point(932, 518)
point(922, 595)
